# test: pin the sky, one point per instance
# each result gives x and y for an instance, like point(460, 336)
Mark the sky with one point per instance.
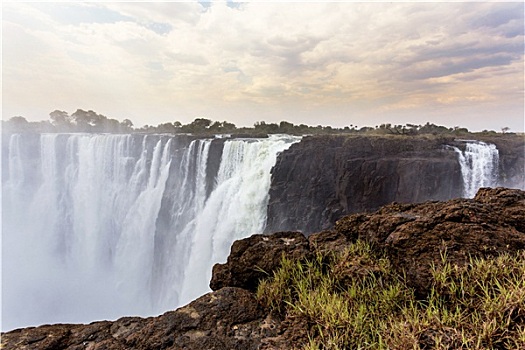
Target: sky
point(317, 63)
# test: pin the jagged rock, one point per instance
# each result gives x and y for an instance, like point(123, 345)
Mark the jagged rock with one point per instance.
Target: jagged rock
point(510, 202)
point(226, 319)
point(229, 318)
point(416, 236)
point(328, 241)
point(256, 257)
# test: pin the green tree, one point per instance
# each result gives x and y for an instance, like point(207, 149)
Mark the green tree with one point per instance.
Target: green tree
point(86, 121)
point(18, 121)
point(126, 124)
point(16, 124)
point(199, 125)
point(286, 127)
point(61, 120)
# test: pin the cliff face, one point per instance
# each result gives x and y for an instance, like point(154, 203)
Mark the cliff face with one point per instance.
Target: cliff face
point(322, 178)
point(512, 159)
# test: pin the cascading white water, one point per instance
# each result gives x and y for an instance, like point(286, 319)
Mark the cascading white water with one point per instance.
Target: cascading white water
point(235, 208)
point(479, 166)
point(99, 226)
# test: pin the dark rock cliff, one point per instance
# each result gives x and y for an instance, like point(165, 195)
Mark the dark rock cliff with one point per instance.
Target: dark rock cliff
point(414, 237)
point(322, 178)
point(512, 159)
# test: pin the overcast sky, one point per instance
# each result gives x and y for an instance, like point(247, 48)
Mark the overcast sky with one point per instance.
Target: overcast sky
point(328, 63)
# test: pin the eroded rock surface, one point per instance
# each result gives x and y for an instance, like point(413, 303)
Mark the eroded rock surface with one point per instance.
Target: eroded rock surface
point(256, 257)
point(413, 236)
point(230, 318)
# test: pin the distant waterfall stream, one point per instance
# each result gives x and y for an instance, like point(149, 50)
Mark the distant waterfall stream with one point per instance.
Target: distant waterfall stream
point(479, 166)
point(98, 226)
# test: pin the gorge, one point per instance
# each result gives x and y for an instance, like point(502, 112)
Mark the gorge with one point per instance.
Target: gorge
point(317, 181)
point(98, 226)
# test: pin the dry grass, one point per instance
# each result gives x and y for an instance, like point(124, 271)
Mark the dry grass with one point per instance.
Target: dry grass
point(356, 301)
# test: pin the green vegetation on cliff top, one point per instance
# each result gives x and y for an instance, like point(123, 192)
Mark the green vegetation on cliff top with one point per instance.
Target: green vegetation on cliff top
point(90, 121)
point(354, 300)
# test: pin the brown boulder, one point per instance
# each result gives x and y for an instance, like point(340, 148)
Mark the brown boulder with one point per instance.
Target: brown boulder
point(256, 257)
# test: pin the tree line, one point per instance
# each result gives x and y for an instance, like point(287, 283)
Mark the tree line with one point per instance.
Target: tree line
point(92, 122)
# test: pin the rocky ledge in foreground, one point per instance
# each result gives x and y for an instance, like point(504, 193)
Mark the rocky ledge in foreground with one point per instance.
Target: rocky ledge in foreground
point(413, 237)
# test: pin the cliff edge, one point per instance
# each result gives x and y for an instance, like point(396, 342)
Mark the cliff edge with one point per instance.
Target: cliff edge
point(413, 237)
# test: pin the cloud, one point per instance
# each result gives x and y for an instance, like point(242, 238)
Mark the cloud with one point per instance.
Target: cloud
point(77, 13)
point(248, 60)
point(500, 17)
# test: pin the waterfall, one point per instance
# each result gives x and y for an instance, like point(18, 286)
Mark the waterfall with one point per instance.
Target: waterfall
point(479, 166)
point(99, 226)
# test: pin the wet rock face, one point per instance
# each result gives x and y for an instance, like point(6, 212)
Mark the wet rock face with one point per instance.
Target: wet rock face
point(322, 178)
point(511, 150)
point(413, 236)
point(319, 180)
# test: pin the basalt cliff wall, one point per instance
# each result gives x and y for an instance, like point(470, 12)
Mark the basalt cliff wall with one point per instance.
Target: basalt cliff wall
point(322, 178)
